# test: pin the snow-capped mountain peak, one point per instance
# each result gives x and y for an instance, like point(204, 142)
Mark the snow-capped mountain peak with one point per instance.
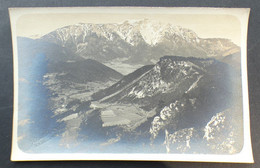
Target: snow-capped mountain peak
point(144, 39)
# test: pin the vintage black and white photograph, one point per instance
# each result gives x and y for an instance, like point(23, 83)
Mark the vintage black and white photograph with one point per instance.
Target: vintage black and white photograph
point(130, 84)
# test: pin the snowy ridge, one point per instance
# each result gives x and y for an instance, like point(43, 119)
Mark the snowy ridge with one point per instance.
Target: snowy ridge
point(131, 31)
point(106, 42)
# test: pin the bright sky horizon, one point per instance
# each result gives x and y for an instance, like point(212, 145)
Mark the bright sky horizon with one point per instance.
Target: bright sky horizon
point(205, 25)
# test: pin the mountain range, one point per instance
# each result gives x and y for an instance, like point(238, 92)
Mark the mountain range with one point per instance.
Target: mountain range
point(184, 93)
point(141, 41)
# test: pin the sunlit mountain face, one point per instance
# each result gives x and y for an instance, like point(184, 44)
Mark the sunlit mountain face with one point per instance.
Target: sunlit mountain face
point(137, 42)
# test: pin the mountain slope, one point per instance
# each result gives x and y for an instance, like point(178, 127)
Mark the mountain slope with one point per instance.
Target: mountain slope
point(177, 97)
point(234, 60)
point(29, 48)
point(85, 71)
point(171, 77)
point(123, 82)
point(58, 85)
point(73, 82)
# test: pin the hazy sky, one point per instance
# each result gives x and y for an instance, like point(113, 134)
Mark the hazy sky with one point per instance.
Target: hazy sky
point(206, 26)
